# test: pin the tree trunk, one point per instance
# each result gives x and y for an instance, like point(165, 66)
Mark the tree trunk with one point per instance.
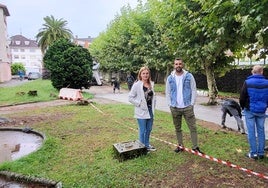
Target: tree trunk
point(168, 71)
point(212, 86)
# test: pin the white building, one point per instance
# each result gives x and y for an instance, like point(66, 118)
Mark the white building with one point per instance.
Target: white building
point(5, 71)
point(27, 52)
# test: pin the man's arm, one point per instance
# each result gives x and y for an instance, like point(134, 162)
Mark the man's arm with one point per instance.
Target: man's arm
point(167, 91)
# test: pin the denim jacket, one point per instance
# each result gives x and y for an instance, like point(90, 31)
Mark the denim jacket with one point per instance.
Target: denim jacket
point(189, 89)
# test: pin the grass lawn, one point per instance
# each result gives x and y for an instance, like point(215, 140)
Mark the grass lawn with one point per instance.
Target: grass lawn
point(19, 94)
point(78, 151)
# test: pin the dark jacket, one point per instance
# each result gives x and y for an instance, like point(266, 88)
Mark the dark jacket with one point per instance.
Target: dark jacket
point(232, 107)
point(254, 94)
point(130, 79)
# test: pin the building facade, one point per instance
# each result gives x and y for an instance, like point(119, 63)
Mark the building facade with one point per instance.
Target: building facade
point(84, 42)
point(5, 61)
point(27, 52)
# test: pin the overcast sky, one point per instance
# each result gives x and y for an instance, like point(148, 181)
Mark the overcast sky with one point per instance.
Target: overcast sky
point(85, 17)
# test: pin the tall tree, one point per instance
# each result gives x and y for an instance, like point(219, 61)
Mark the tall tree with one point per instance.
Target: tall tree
point(201, 32)
point(254, 26)
point(70, 65)
point(53, 29)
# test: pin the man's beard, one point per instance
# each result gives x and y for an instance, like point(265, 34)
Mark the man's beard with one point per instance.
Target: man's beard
point(178, 69)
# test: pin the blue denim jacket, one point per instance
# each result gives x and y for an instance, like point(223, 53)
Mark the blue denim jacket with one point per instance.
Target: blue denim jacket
point(189, 89)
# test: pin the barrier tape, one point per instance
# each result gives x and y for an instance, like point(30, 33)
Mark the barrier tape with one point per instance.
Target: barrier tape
point(96, 108)
point(227, 163)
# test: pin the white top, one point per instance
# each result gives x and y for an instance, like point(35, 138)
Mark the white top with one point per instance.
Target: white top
point(180, 103)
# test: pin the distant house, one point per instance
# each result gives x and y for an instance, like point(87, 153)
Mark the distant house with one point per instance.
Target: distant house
point(5, 62)
point(84, 42)
point(27, 52)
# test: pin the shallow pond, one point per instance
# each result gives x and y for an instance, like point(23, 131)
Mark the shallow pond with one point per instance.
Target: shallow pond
point(16, 143)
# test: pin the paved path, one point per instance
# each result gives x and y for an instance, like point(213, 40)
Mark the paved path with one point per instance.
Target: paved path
point(202, 112)
point(13, 82)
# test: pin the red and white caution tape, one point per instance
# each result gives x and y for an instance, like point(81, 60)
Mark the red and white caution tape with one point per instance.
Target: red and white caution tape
point(201, 154)
point(215, 159)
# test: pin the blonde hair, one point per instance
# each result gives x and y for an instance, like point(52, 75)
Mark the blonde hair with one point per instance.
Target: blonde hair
point(257, 69)
point(143, 69)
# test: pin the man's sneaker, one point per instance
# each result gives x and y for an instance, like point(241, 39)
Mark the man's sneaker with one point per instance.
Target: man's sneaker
point(223, 126)
point(255, 156)
point(261, 156)
point(151, 148)
point(198, 150)
point(178, 149)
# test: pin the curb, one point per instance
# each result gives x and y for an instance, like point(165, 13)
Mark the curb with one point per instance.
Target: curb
point(28, 179)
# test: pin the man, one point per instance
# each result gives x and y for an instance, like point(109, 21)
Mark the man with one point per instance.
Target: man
point(181, 95)
point(116, 85)
point(130, 81)
point(254, 102)
point(231, 107)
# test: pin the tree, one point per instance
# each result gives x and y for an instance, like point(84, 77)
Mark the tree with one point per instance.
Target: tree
point(69, 65)
point(131, 40)
point(15, 67)
point(253, 15)
point(201, 32)
point(53, 29)
point(206, 34)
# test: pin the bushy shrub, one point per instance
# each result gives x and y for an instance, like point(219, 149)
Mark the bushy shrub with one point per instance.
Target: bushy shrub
point(15, 67)
point(69, 65)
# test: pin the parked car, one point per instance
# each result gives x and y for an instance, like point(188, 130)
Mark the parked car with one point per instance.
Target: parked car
point(34, 75)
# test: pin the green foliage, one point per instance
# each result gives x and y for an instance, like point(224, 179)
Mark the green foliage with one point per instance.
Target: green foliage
point(208, 35)
point(70, 65)
point(132, 40)
point(15, 67)
point(53, 29)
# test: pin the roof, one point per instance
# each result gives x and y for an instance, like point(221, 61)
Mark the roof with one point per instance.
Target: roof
point(4, 7)
point(88, 39)
point(21, 41)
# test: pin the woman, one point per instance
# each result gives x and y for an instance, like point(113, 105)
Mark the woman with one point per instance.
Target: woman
point(142, 97)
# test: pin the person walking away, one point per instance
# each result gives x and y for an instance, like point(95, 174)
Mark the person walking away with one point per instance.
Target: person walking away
point(254, 102)
point(232, 107)
point(116, 85)
point(20, 73)
point(142, 96)
point(181, 95)
point(130, 81)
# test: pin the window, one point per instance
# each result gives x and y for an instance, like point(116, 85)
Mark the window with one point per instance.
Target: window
point(32, 50)
point(27, 42)
point(22, 57)
point(17, 42)
point(16, 56)
point(22, 50)
point(15, 50)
